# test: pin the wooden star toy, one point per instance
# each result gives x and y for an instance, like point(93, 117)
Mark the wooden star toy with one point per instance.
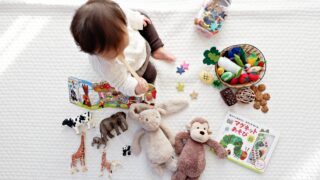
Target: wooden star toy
point(180, 70)
point(180, 87)
point(185, 65)
point(194, 95)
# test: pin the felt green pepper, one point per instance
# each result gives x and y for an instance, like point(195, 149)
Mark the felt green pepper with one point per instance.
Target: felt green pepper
point(238, 60)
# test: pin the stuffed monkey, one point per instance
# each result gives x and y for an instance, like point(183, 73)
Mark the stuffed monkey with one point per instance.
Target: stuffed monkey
point(190, 146)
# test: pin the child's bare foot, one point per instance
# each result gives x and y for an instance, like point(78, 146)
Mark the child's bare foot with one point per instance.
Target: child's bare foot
point(163, 54)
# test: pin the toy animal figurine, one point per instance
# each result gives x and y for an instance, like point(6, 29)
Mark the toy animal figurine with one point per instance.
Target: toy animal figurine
point(126, 150)
point(114, 122)
point(190, 146)
point(80, 154)
point(160, 141)
point(105, 164)
point(97, 140)
point(82, 119)
point(86, 99)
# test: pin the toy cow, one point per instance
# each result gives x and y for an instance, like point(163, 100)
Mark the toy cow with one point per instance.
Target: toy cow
point(82, 119)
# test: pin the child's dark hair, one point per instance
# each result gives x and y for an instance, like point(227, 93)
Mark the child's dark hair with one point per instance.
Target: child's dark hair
point(98, 25)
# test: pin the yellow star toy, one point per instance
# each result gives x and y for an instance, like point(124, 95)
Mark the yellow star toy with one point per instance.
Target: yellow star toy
point(194, 95)
point(180, 87)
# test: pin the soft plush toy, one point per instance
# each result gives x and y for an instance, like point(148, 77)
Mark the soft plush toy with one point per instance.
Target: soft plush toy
point(190, 146)
point(160, 140)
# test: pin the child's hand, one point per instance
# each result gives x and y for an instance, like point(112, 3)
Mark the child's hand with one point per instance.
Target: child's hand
point(146, 21)
point(142, 86)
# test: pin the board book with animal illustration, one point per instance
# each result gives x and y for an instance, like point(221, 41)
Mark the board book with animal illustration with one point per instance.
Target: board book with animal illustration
point(101, 95)
point(247, 143)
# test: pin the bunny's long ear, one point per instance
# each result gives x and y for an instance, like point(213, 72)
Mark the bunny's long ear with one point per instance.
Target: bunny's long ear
point(136, 109)
point(172, 106)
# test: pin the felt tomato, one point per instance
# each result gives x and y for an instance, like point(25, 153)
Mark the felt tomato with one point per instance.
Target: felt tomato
point(253, 77)
point(244, 78)
point(261, 64)
point(234, 81)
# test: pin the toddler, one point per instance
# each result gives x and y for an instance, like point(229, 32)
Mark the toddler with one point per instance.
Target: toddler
point(106, 31)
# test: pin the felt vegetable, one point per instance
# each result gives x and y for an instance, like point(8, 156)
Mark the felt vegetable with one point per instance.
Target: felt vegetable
point(253, 77)
point(237, 51)
point(217, 84)
point(261, 64)
point(227, 76)
point(232, 52)
point(238, 60)
point(255, 69)
point(244, 78)
point(211, 56)
point(257, 62)
point(220, 71)
point(247, 66)
point(243, 56)
point(230, 66)
point(234, 81)
point(252, 58)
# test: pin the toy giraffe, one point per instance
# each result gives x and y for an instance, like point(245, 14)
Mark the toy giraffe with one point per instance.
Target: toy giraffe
point(80, 154)
point(105, 164)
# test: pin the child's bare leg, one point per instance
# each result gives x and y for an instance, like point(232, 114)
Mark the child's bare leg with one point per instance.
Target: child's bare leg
point(162, 53)
point(158, 52)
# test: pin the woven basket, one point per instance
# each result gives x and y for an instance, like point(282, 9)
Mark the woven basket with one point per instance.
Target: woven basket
point(248, 49)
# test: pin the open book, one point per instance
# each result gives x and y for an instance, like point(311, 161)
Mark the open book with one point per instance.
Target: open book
point(247, 143)
point(101, 95)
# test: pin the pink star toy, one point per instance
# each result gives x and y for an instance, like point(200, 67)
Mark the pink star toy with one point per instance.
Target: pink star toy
point(185, 65)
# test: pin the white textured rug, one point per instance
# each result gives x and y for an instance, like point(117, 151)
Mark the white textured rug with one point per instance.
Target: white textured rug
point(37, 54)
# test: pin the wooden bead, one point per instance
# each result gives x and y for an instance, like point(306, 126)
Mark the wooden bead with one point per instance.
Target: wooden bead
point(266, 96)
point(263, 102)
point(256, 105)
point(265, 109)
point(254, 88)
point(258, 96)
point(261, 87)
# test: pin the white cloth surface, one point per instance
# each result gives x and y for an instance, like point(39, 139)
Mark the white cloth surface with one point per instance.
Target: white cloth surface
point(37, 54)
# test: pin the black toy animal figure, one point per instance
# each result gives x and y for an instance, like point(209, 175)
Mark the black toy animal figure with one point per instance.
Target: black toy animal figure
point(114, 122)
point(126, 150)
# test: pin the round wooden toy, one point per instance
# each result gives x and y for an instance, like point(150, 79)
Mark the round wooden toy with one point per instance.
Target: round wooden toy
point(248, 50)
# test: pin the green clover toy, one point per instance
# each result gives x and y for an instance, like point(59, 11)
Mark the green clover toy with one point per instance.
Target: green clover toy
point(211, 56)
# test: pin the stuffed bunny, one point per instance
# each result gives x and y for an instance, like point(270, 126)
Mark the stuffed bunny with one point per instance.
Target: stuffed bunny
point(160, 140)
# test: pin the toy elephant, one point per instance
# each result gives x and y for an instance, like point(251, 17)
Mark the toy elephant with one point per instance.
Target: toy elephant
point(160, 140)
point(114, 122)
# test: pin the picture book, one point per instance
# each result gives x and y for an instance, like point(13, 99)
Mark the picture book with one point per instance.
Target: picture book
point(246, 142)
point(101, 95)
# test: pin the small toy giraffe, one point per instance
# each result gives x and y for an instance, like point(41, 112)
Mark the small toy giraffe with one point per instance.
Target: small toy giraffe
point(80, 154)
point(105, 164)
